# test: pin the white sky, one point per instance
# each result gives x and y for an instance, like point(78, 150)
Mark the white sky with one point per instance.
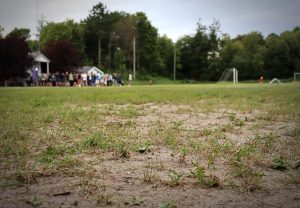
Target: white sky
point(174, 18)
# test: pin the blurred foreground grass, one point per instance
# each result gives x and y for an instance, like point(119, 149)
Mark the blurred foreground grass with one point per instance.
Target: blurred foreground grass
point(49, 126)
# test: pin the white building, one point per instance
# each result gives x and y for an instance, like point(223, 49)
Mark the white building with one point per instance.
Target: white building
point(89, 70)
point(41, 62)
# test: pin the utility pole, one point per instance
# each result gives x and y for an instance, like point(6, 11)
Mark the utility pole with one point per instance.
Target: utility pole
point(41, 23)
point(38, 24)
point(134, 62)
point(99, 51)
point(174, 66)
point(112, 37)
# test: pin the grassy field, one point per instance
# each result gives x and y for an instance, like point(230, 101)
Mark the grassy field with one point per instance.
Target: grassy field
point(212, 145)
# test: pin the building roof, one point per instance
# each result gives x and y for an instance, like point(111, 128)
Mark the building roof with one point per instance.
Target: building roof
point(39, 57)
point(89, 69)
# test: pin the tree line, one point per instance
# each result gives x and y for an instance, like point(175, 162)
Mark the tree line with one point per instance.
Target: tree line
point(105, 39)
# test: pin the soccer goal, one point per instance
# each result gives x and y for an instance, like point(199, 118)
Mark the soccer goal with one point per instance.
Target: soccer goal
point(228, 74)
point(297, 76)
point(275, 80)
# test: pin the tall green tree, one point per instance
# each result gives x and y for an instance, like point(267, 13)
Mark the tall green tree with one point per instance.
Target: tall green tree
point(213, 70)
point(246, 53)
point(20, 32)
point(254, 54)
point(232, 54)
point(67, 30)
point(149, 47)
point(33, 45)
point(99, 34)
point(277, 57)
point(292, 39)
point(166, 53)
point(1, 30)
point(126, 30)
point(148, 58)
point(119, 62)
point(185, 55)
point(194, 54)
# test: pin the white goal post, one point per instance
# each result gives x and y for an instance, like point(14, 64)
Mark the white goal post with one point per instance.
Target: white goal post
point(227, 75)
point(274, 80)
point(295, 76)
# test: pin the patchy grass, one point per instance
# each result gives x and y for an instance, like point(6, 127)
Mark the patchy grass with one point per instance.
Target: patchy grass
point(202, 178)
point(141, 143)
point(175, 177)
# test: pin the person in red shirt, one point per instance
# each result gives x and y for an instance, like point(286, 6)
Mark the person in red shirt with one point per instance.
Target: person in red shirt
point(261, 79)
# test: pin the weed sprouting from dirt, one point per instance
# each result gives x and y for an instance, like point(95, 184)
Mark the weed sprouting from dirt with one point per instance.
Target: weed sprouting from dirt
point(105, 199)
point(177, 125)
point(167, 205)
point(249, 178)
point(144, 147)
point(123, 150)
point(131, 112)
point(183, 152)
point(279, 163)
point(49, 155)
point(295, 133)
point(35, 201)
point(175, 177)
point(149, 175)
point(208, 180)
point(99, 140)
point(134, 201)
point(236, 121)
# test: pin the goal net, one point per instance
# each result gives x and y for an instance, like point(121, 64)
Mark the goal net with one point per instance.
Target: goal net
point(229, 74)
point(275, 80)
point(297, 76)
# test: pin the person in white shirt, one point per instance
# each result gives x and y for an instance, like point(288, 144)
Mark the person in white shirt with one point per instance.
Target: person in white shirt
point(84, 79)
point(129, 79)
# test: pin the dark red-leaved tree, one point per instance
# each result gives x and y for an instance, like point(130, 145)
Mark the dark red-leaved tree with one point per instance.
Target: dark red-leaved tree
point(63, 55)
point(14, 58)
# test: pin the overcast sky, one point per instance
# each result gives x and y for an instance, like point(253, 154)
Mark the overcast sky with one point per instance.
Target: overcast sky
point(174, 18)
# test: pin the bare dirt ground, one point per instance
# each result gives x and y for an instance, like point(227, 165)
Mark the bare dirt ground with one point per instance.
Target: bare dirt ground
point(178, 135)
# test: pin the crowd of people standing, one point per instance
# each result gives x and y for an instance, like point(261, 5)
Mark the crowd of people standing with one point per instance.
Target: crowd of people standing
point(75, 79)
